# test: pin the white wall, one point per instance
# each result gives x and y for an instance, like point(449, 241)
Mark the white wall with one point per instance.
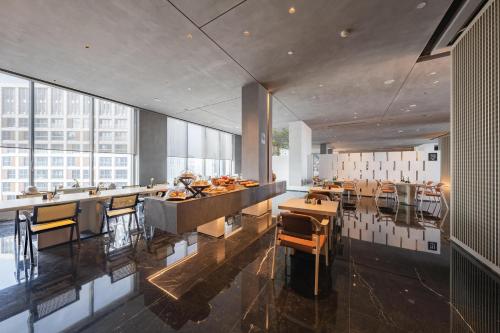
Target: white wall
point(281, 167)
point(326, 166)
point(300, 147)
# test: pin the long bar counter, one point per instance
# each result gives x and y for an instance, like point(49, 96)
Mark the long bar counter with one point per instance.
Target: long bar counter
point(182, 216)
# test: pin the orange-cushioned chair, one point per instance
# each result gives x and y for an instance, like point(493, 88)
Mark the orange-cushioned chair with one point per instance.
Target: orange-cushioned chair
point(302, 233)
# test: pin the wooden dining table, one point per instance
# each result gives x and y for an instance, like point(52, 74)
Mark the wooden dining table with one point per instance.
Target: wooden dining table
point(326, 208)
point(89, 220)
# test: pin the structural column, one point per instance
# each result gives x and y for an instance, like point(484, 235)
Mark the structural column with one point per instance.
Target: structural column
point(256, 133)
point(256, 138)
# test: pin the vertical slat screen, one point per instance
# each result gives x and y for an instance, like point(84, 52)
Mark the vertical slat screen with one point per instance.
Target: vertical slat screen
point(475, 136)
point(474, 295)
point(444, 146)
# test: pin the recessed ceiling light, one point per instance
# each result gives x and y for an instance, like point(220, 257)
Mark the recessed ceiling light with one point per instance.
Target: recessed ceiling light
point(345, 33)
point(355, 117)
point(421, 5)
point(290, 52)
point(407, 110)
point(413, 105)
point(291, 10)
point(400, 131)
point(432, 73)
point(320, 85)
point(436, 82)
point(387, 82)
point(87, 46)
point(246, 33)
point(157, 100)
point(189, 89)
point(189, 36)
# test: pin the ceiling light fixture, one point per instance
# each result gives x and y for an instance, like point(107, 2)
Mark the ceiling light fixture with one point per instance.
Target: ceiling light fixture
point(189, 36)
point(320, 85)
point(387, 82)
point(157, 100)
point(345, 33)
point(246, 33)
point(189, 89)
point(291, 10)
point(400, 131)
point(290, 52)
point(407, 110)
point(432, 73)
point(413, 105)
point(436, 82)
point(87, 46)
point(421, 5)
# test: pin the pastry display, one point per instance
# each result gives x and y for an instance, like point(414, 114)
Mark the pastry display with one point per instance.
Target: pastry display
point(187, 175)
point(176, 195)
point(249, 183)
point(223, 181)
point(215, 190)
point(200, 183)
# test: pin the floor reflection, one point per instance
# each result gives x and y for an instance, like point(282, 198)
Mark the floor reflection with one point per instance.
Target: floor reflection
point(394, 225)
point(151, 281)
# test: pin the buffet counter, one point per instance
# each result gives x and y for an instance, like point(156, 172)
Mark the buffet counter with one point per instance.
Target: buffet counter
point(183, 216)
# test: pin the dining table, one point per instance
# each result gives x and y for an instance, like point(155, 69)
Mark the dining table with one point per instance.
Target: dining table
point(90, 217)
point(328, 209)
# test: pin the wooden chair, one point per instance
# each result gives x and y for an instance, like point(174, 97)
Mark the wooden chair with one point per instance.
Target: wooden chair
point(51, 217)
point(436, 193)
point(302, 233)
point(122, 205)
point(389, 189)
point(20, 218)
point(351, 187)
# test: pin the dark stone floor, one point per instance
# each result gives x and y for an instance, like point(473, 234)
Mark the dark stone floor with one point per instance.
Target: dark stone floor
point(389, 272)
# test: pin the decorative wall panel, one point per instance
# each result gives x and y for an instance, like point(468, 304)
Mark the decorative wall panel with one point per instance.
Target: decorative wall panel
point(371, 166)
point(475, 137)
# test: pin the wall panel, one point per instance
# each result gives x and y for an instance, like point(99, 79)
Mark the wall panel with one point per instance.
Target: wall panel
point(475, 137)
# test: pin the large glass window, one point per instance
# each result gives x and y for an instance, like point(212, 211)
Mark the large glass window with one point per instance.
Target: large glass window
point(204, 151)
point(62, 138)
point(14, 135)
point(114, 143)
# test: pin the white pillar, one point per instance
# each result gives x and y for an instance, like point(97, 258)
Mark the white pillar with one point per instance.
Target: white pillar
point(300, 146)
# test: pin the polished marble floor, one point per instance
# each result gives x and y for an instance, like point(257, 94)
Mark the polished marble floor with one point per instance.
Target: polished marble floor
point(392, 270)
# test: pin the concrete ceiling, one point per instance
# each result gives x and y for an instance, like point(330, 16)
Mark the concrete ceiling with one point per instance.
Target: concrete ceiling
point(189, 58)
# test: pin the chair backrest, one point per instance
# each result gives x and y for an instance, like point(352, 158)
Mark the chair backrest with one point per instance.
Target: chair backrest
point(439, 187)
point(350, 185)
point(131, 186)
point(297, 225)
point(124, 201)
point(55, 212)
point(388, 186)
point(430, 182)
point(318, 196)
point(334, 186)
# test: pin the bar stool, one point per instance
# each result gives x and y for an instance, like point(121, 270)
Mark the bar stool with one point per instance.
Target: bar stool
point(51, 217)
point(119, 206)
point(302, 233)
